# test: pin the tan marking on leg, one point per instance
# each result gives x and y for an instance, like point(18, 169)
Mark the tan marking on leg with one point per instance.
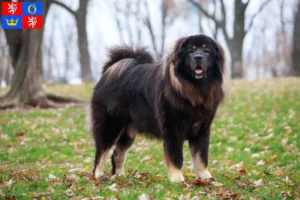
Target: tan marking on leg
point(132, 131)
point(175, 175)
point(89, 122)
point(121, 154)
point(119, 158)
point(99, 169)
point(198, 165)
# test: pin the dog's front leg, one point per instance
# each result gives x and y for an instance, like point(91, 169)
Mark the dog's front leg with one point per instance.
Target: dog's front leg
point(199, 145)
point(174, 157)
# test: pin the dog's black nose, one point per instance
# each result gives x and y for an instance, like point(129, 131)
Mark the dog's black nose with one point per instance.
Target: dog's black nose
point(198, 57)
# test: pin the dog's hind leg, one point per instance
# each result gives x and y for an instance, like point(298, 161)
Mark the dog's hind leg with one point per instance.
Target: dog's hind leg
point(106, 131)
point(122, 145)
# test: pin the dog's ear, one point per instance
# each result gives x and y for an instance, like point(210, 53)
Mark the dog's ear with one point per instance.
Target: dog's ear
point(179, 47)
point(219, 57)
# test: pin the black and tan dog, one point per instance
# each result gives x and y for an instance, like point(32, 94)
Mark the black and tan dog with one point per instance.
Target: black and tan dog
point(174, 100)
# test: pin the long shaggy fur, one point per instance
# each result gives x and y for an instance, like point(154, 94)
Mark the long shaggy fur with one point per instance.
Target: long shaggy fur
point(158, 98)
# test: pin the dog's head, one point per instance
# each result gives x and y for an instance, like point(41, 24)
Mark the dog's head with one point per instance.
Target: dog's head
point(199, 57)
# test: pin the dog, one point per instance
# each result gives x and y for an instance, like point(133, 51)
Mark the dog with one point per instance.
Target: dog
point(174, 100)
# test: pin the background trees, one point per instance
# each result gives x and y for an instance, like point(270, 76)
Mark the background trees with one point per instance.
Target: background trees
point(262, 39)
point(296, 43)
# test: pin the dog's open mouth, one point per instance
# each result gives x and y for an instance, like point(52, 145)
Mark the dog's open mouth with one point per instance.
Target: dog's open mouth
point(198, 73)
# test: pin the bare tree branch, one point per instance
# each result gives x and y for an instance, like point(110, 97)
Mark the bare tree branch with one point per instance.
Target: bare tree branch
point(164, 13)
point(223, 11)
point(219, 23)
point(246, 4)
point(119, 26)
point(149, 26)
point(127, 19)
point(205, 12)
point(223, 23)
point(138, 20)
point(65, 7)
point(261, 8)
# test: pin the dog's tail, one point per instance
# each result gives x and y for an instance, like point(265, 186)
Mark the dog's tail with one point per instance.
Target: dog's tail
point(140, 55)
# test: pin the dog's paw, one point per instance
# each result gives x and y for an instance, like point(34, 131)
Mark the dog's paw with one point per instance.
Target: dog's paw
point(204, 175)
point(120, 172)
point(98, 174)
point(176, 177)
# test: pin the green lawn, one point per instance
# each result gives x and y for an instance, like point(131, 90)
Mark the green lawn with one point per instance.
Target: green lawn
point(254, 152)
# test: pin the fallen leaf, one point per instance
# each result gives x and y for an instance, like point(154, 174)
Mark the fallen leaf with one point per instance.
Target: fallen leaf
point(186, 196)
point(97, 198)
point(195, 198)
point(143, 197)
point(217, 184)
point(229, 149)
point(236, 166)
point(185, 185)
point(255, 155)
point(258, 183)
point(113, 187)
point(287, 180)
point(286, 194)
point(159, 186)
point(284, 141)
point(51, 176)
point(146, 159)
point(198, 182)
point(242, 172)
point(260, 163)
point(10, 182)
point(227, 195)
point(20, 134)
point(274, 156)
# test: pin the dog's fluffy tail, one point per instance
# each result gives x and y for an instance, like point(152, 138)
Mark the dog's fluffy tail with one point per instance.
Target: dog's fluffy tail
point(140, 55)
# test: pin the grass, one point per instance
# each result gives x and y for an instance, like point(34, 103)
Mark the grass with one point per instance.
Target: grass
point(254, 152)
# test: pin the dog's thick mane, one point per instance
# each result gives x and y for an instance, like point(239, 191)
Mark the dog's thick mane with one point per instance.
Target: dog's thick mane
point(213, 94)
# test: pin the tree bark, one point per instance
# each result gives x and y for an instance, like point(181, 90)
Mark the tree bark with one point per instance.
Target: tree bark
point(164, 13)
point(236, 44)
point(80, 17)
point(85, 63)
point(296, 43)
point(236, 51)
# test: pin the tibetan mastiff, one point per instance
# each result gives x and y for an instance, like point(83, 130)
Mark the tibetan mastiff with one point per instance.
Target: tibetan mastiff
point(174, 100)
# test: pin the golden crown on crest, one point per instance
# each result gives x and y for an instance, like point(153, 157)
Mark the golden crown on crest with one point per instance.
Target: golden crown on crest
point(12, 22)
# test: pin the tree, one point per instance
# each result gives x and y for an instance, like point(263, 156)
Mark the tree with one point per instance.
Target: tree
point(236, 42)
point(80, 16)
point(296, 43)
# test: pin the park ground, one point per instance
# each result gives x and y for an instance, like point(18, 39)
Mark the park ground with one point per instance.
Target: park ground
point(254, 151)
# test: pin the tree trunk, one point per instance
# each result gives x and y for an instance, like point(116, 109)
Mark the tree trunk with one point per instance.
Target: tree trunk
point(296, 43)
point(236, 43)
point(85, 65)
point(236, 51)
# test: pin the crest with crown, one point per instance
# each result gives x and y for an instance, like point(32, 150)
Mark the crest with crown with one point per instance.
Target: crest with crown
point(12, 22)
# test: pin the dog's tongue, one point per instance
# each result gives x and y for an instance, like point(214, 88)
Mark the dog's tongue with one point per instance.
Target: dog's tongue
point(198, 71)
